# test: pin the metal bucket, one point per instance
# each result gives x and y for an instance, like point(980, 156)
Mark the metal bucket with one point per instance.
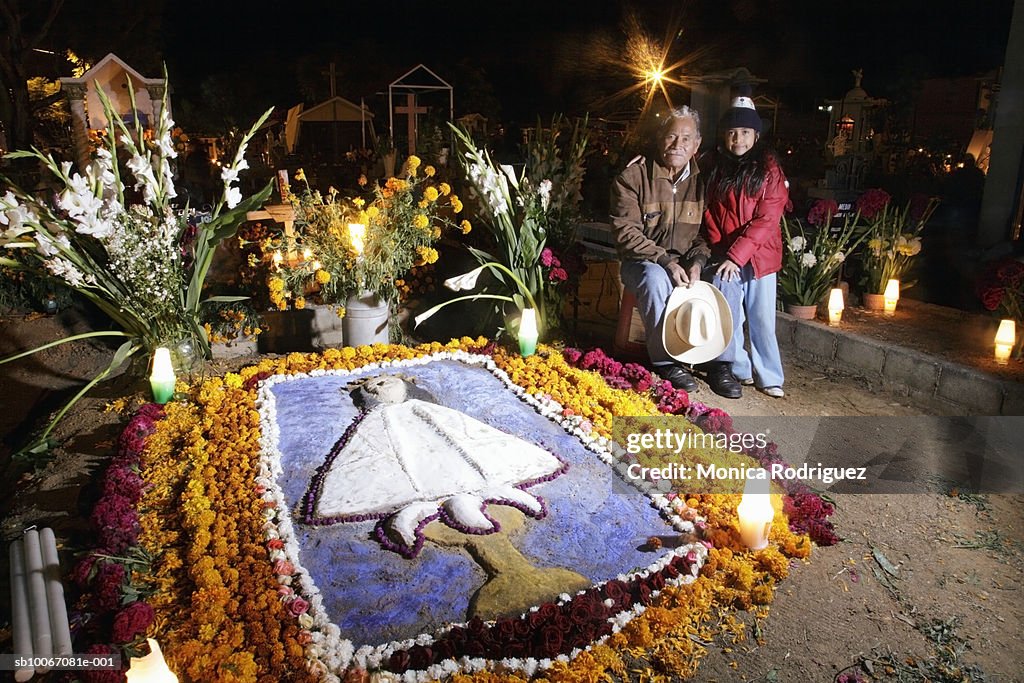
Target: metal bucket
point(366, 320)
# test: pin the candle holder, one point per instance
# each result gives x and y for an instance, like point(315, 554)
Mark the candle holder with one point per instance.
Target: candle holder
point(528, 332)
point(835, 307)
point(162, 379)
point(150, 669)
point(1006, 337)
point(892, 296)
point(755, 510)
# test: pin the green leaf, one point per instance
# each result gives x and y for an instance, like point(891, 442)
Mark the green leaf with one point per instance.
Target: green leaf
point(221, 299)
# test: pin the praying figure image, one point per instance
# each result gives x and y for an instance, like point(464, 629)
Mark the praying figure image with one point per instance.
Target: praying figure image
point(406, 461)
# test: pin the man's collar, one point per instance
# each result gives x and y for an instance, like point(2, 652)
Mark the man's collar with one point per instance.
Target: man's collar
point(661, 171)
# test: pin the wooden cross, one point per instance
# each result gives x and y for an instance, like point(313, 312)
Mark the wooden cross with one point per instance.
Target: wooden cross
point(411, 110)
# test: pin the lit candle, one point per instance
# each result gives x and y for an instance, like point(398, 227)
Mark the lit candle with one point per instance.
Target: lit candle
point(755, 511)
point(835, 306)
point(307, 254)
point(278, 258)
point(528, 332)
point(60, 631)
point(1006, 337)
point(891, 296)
point(39, 615)
point(357, 233)
point(162, 379)
point(150, 669)
point(21, 626)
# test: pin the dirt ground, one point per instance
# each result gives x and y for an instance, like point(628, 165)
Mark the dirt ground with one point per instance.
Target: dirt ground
point(922, 584)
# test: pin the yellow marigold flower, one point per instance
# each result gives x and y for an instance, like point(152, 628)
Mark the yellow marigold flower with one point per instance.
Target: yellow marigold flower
point(413, 163)
point(444, 189)
point(430, 194)
point(437, 232)
point(341, 311)
point(362, 180)
point(372, 212)
point(233, 380)
point(323, 277)
point(466, 227)
point(420, 221)
point(359, 202)
point(423, 203)
point(300, 174)
point(300, 302)
point(429, 171)
point(456, 204)
point(253, 260)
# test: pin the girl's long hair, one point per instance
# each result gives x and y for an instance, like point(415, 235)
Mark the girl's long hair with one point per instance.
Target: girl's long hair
point(732, 174)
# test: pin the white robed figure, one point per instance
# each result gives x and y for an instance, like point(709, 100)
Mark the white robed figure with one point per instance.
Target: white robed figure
point(410, 460)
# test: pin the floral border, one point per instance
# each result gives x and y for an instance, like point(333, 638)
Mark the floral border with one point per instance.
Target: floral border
point(198, 503)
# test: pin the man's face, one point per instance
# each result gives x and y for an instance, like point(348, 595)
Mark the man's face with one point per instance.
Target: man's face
point(679, 141)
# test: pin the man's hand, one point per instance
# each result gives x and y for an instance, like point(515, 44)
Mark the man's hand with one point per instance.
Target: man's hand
point(683, 277)
point(728, 271)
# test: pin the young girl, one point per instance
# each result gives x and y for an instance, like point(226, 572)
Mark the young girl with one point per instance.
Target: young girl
point(746, 195)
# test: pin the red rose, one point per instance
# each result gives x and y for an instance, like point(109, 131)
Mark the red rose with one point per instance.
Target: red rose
point(992, 297)
point(132, 621)
point(399, 661)
point(871, 202)
point(822, 211)
point(551, 641)
point(420, 657)
point(617, 591)
point(643, 594)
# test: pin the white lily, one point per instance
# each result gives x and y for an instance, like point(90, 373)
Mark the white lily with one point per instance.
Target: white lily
point(464, 281)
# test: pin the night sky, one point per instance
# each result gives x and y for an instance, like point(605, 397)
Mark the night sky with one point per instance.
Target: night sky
point(551, 56)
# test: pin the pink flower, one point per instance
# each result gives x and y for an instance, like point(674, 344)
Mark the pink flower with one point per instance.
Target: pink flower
point(822, 211)
point(547, 257)
point(284, 591)
point(284, 567)
point(298, 606)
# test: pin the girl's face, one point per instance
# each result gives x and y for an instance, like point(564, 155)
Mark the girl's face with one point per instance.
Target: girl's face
point(739, 140)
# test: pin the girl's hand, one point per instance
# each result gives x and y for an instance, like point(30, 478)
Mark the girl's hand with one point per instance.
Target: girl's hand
point(728, 271)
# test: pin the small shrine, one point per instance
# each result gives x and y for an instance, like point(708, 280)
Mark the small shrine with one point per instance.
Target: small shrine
point(851, 143)
point(414, 83)
point(113, 75)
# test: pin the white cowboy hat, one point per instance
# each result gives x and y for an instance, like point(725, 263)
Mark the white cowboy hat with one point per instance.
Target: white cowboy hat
point(698, 323)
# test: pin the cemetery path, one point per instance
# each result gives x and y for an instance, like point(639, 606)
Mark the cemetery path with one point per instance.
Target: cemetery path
point(920, 581)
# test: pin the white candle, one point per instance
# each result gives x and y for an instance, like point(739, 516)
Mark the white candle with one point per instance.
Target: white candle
point(891, 296)
point(59, 628)
point(528, 332)
point(357, 234)
point(150, 669)
point(162, 378)
point(755, 512)
point(835, 306)
point(39, 615)
point(1006, 337)
point(20, 623)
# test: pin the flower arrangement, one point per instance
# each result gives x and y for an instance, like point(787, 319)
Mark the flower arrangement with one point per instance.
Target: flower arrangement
point(214, 531)
point(813, 256)
point(522, 213)
point(1001, 288)
point(893, 238)
point(126, 247)
point(399, 225)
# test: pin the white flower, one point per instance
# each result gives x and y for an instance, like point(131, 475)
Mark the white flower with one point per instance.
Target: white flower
point(808, 260)
point(797, 244)
point(63, 268)
point(229, 175)
point(464, 281)
point(511, 173)
point(838, 257)
point(545, 193)
point(78, 198)
point(232, 196)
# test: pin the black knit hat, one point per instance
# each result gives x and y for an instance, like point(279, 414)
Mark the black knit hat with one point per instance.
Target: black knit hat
point(742, 113)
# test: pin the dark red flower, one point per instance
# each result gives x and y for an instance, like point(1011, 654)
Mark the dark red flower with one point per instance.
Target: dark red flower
point(822, 211)
point(992, 297)
point(132, 621)
point(399, 661)
point(420, 657)
point(871, 202)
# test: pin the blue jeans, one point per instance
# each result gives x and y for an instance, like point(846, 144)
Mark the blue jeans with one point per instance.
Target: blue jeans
point(652, 287)
point(752, 300)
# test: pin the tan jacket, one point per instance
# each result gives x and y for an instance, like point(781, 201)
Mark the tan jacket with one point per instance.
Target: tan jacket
point(654, 220)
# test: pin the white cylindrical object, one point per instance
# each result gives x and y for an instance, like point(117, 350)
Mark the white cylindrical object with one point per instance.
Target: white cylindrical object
point(150, 669)
point(60, 630)
point(21, 626)
point(42, 642)
point(365, 321)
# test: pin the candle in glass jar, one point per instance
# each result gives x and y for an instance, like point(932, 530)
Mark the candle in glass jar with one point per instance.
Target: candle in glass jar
point(150, 669)
point(528, 332)
point(162, 378)
point(1006, 337)
point(755, 511)
point(891, 296)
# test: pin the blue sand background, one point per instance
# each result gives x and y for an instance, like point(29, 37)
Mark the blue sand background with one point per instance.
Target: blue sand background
point(375, 595)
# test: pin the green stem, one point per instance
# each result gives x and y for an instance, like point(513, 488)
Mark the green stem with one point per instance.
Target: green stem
point(65, 340)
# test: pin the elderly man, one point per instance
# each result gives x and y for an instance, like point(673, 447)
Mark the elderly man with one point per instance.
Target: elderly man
point(656, 210)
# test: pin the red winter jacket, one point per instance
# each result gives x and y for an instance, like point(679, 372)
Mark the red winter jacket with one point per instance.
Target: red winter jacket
point(747, 229)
